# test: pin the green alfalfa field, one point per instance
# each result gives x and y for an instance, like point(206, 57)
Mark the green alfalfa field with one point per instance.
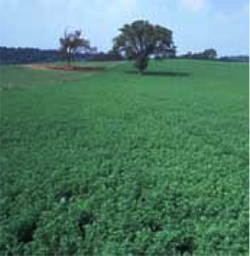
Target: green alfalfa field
point(114, 163)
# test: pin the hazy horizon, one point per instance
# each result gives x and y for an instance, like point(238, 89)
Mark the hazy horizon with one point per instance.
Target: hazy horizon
point(196, 24)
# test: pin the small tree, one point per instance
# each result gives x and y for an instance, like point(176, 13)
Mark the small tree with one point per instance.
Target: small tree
point(140, 40)
point(73, 43)
point(210, 54)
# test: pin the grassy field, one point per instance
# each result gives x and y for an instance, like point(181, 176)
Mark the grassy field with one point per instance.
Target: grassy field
point(114, 163)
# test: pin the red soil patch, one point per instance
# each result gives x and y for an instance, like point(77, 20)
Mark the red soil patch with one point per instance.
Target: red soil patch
point(65, 68)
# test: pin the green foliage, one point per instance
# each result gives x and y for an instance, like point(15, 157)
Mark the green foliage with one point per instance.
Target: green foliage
point(210, 54)
point(140, 40)
point(120, 164)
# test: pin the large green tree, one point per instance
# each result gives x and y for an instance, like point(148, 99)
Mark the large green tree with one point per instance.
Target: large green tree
point(141, 40)
point(72, 43)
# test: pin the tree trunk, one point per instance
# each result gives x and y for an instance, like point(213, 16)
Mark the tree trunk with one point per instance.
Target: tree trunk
point(141, 72)
point(68, 60)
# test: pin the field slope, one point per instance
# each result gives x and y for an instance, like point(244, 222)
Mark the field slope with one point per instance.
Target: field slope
point(115, 163)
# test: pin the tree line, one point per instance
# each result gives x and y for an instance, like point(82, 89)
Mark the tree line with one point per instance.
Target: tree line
point(208, 54)
point(19, 55)
point(12, 55)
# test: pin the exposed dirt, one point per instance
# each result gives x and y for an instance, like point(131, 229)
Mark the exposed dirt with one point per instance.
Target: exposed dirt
point(64, 68)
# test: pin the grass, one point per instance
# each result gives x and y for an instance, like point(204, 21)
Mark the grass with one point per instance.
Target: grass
point(121, 164)
point(25, 76)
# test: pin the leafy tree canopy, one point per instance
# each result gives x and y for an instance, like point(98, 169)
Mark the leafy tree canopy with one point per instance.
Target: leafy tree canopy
point(140, 40)
point(210, 53)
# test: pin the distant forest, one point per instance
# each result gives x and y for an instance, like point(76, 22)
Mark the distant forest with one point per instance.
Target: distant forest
point(211, 54)
point(27, 55)
point(10, 55)
point(35, 55)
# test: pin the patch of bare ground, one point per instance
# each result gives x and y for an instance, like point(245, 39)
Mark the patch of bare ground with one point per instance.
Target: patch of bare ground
point(64, 68)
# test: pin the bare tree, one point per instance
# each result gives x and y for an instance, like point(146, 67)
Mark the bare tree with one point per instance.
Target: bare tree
point(73, 43)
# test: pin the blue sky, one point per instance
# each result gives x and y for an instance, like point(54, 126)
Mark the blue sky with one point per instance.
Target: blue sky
point(197, 24)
